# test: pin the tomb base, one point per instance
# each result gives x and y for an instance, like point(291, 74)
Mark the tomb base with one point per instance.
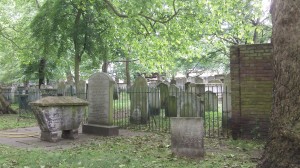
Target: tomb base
point(101, 130)
point(70, 134)
point(49, 136)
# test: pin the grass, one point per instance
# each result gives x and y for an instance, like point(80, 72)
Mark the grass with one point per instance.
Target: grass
point(146, 151)
point(152, 150)
point(10, 121)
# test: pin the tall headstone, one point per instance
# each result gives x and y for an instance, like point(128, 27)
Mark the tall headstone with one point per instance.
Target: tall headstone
point(139, 101)
point(164, 93)
point(173, 102)
point(187, 136)
point(100, 98)
point(154, 101)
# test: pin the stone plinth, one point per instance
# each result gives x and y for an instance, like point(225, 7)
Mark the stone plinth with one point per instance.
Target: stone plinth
point(187, 136)
point(56, 114)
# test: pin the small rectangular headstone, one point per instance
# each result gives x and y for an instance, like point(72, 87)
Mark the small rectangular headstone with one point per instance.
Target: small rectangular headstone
point(187, 136)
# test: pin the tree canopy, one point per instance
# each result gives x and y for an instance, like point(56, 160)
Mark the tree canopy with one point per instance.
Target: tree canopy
point(157, 36)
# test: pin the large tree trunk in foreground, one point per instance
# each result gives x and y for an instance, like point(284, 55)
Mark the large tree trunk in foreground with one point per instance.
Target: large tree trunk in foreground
point(283, 146)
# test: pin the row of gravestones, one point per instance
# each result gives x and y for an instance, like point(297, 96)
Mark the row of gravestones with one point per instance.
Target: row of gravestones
point(187, 134)
point(181, 81)
point(17, 94)
point(176, 102)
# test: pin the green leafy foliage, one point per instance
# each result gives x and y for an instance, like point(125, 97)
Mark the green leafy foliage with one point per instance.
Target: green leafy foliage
point(163, 36)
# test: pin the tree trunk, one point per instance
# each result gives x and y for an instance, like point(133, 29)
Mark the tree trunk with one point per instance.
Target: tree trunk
point(77, 46)
point(105, 66)
point(128, 82)
point(283, 146)
point(76, 73)
point(42, 67)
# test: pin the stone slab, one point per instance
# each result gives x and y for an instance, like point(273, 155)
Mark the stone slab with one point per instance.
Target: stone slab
point(102, 130)
point(187, 136)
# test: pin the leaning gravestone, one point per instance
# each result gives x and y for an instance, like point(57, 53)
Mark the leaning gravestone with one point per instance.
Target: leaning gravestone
point(187, 136)
point(100, 98)
point(139, 101)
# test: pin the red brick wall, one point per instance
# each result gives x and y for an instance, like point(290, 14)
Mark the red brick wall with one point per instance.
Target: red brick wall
point(251, 87)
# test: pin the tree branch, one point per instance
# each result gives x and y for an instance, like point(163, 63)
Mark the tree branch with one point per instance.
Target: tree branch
point(12, 41)
point(148, 33)
point(113, 8)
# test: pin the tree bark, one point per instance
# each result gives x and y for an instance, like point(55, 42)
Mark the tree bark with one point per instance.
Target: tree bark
point(77, 47)
point(283, 145)
point(128, 82)
point(105, 66)
point(42, 68)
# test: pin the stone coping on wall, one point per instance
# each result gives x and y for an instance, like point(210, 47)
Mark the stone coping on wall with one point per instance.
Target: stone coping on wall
point(59, 101)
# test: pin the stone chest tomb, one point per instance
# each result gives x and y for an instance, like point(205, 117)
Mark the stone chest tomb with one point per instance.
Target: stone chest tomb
point(56, 114)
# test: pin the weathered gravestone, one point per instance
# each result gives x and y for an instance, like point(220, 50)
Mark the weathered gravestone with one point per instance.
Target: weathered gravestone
point(180, 82)
point(61, 86)
point(154, 101)
point(173, 102)
point(81, 90)
point(199, 90)
point(211, 101)
point(139, 101)
point(100, 98)
point(164, 94)
point(70, 89)
point(190, 105)
point(187, 136)
point(33, 94)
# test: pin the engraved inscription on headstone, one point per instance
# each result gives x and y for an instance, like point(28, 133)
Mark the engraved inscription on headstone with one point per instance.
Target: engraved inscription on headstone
point(100, 97)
